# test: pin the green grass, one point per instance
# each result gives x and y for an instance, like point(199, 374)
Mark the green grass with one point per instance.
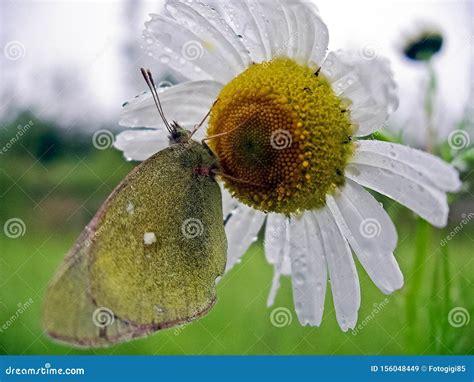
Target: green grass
point(240, 322)
point(56, 199)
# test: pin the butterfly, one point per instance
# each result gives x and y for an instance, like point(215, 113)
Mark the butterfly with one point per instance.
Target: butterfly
point(150, 257)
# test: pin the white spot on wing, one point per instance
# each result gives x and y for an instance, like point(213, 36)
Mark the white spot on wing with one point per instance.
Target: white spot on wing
point(149, 238)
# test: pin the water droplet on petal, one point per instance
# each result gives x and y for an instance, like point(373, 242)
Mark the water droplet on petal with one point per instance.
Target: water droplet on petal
point(299, 278)
point(165, 59)
point(354, 171)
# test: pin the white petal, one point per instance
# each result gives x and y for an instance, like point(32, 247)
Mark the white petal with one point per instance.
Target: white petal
point(276, 243)
point(309, 271)
point(370, 233)
point(309, 36)
point(246, 19)
point(242, 228)
point(197, 95)
point(418, 163)
point(141, 144)
point(207, 23)
point(277, 27)
point(343, 275)
point(427, 201)
point(277, 250)
point(369, 85)
point(187, 53)
point(229, 203)
point(214, 31)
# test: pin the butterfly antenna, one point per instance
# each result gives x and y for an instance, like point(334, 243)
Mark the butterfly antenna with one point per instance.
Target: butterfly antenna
point(227, 132)
point(231, 178)
point(146, 73)
point(198, 126)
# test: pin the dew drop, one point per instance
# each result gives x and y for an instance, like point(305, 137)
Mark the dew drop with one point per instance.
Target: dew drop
point(354, 171)
point(165, 59)
point(299, 278)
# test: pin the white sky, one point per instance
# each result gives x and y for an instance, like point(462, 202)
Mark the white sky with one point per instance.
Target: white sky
point(73, 68)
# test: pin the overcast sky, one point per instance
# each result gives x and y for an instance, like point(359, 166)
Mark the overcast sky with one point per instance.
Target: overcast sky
point(77, 61)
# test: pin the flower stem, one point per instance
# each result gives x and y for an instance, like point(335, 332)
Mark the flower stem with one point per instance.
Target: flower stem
point(422, 240)
point(429, 109)
point(447, 289)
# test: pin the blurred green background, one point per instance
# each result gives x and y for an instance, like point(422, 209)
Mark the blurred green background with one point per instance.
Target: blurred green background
point(54, 181)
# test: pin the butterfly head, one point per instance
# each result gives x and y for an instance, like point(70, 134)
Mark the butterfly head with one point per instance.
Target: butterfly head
point(179, 134)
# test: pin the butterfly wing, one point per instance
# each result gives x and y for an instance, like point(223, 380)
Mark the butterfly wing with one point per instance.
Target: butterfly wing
point(149, 258)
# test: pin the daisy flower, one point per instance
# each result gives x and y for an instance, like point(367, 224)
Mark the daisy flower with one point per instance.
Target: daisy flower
point(291, 118)
point(414, 29)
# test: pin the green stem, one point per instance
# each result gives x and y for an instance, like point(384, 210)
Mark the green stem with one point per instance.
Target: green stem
point(434, 304)
point(431, 135)
point(447, 290)
point(422, 240)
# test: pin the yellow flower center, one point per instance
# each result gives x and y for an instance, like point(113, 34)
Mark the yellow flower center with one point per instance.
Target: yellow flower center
point(287, 137)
